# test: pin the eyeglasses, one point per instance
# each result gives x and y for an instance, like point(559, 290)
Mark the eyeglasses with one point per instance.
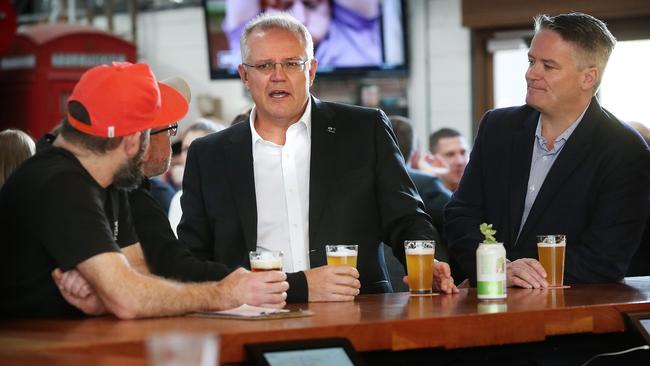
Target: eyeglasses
point(288, 66)
point(171, 130)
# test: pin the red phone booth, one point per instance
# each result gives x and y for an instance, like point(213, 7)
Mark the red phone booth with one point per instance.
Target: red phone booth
point(43, 64)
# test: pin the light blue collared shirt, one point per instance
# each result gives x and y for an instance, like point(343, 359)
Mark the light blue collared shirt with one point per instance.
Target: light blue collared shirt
point(542, 161)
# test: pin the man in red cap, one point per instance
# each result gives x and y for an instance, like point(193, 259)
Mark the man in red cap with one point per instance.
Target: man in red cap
point(52, 211)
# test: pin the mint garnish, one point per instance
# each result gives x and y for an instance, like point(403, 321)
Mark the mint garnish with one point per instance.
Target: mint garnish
point(488, 233)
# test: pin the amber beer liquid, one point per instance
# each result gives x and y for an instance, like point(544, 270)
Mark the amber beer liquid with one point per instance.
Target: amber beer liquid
point(342, 259)
point(419, 265)
point(342, 255)
point(551, 256)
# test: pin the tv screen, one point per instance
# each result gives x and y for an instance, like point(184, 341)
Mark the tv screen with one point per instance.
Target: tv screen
point(351, 37)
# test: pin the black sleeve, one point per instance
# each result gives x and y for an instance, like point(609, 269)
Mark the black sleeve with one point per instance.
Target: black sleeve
point(435, 199)
point(72, 222)
point(435, 202)
point(298, 290)
point(162, 192)
point(165, 255)
point(403, 216)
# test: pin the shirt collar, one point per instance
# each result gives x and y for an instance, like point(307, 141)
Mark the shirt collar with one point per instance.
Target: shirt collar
point(564, 136)
point(305, 120)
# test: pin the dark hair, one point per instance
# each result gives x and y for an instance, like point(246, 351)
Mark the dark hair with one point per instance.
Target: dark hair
point(589, 34)
point(15, 147)
point(442, 133)
point(203, 125)
point(99, 145)
point(241, 117)
point(404, 132)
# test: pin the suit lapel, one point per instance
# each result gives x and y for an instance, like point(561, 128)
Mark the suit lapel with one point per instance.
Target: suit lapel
point(573, 153)
point(324, 150)
point(239, 166)
point(522, 151)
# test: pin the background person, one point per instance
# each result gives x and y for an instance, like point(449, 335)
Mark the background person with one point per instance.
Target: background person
point(449, 146)
point(199, 128)
point(15, 147)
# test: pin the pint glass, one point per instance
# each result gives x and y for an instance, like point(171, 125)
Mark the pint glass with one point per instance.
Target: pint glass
point(342, 255)
point(551, 250)
point(419, 264)
point(266, 260)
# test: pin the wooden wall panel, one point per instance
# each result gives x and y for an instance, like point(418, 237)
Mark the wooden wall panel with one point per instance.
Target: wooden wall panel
point(516, 13)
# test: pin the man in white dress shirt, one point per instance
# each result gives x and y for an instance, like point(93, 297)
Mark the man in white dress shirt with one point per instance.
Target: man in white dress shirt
point(285, 180)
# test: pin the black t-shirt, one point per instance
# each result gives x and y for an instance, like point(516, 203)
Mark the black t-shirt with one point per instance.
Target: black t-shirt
point(53, 214)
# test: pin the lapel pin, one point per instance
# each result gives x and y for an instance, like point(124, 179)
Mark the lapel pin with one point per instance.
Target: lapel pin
point(331, 129)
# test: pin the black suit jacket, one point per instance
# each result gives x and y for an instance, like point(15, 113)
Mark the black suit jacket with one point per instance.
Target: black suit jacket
point(359, 193)
point(596, 193)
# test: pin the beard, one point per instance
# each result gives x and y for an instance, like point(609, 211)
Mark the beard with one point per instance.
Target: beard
point(131, 173)
point(155, 168)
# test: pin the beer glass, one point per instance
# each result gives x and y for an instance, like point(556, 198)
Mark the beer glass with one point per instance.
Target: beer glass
point(342, 255)
point(551, 250)
point(266, 260)
point(183, 349)
point(419, 265)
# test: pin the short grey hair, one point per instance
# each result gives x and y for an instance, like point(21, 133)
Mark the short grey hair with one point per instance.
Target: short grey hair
point(203, 125)
point(589, 34)
point(282, 21)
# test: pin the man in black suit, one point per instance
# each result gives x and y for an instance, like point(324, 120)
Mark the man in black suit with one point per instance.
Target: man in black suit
point(561, 164)
point(300, 174)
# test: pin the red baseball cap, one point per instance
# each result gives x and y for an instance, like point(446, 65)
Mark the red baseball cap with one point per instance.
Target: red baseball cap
point(124, 98)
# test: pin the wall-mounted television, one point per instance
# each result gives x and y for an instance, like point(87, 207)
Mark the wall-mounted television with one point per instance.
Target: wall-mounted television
point(360, 38)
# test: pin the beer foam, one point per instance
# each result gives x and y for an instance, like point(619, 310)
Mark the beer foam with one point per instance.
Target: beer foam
point(420, 251)
point(343, 253)
point(551, 245)
point(266, 263)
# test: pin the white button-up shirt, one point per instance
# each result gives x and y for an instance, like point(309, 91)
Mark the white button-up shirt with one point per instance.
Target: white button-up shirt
point(282, 192)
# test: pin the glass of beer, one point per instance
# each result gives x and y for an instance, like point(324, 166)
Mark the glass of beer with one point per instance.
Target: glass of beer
point(342, 255)
point(266, 260)
point(551, 249)
point(419, 265)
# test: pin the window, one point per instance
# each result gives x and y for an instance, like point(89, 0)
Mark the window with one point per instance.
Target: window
point(624, 89)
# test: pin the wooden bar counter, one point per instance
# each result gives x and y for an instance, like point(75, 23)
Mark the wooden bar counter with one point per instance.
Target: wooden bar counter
point(389, 322)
